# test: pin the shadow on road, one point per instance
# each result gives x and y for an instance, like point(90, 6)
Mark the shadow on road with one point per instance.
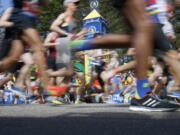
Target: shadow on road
point(101, 123)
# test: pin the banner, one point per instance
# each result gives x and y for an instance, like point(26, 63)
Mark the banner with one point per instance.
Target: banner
point(88, 68)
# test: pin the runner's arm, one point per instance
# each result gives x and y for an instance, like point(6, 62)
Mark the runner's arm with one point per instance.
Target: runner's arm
point(55, 25)
point(5, 17)
point(47, 42)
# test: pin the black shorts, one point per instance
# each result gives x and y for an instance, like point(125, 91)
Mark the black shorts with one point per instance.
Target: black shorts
point(21, 22)
point(99, 69)
point(51, 63)
point(161, 42)
point(5, 47)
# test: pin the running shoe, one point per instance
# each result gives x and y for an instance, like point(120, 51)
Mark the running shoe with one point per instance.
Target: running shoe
point(61, 100)
point(79, 102)
point(151, 103)
point(57, 102)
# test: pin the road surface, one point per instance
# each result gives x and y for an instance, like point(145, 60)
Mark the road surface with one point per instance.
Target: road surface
point(90, 119)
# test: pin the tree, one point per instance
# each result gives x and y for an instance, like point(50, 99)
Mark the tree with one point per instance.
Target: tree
point(47, 17)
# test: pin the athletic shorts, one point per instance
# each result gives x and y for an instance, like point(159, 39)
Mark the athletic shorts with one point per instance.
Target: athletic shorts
point(161, 42)
point(5, 47)
point(99, 70)
point(51, 63)
point(21, 22)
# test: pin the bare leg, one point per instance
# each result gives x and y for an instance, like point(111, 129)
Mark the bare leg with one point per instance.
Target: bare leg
point(106, 75)
point(142, 38)
point(16, 51)
point(81, 89)
point(60, 73)
point(128, 66)
point(28, 60)
point(172, 59)
point(33, 39)
point(59, 81)
point(175, 64)
point(113, 41)
point(110, 41)
point(143, 34)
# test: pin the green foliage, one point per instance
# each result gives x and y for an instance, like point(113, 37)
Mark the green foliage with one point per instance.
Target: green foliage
point(47, 17)
point(113, 16)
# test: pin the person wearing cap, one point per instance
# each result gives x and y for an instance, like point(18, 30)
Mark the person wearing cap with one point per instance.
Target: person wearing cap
point(65, 26)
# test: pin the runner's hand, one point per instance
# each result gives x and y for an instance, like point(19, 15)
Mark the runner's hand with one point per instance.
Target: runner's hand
point(6, 24)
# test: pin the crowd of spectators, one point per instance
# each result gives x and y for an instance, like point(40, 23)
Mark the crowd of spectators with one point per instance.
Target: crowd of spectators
point(117, 90)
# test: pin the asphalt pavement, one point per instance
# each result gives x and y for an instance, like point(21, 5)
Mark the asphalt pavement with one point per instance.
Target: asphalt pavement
point(89, 119)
